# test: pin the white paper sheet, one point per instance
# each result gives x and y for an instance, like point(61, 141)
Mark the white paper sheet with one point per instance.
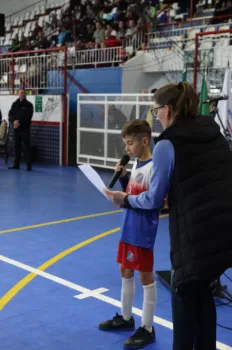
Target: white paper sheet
point(93, 177)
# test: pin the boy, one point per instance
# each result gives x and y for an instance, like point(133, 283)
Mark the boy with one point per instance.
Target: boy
point(138, 233)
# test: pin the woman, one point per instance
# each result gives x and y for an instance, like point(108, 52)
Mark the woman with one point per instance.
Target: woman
point(192, 164)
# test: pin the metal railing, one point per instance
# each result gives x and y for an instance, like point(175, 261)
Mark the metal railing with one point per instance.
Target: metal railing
point(158, 37)
point(33, 70)
point(95, 57)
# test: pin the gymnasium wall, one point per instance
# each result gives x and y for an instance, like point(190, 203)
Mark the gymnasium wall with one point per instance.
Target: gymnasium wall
point(46, 128)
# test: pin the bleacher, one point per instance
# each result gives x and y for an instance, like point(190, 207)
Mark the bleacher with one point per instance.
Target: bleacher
point(158, 26)
point(23, 22)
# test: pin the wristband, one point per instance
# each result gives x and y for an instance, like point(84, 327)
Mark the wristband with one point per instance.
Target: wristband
point(126, 201)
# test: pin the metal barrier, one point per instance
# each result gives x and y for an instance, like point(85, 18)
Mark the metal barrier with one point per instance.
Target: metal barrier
point(34, 70)
point(95, 57)
point(100, 118)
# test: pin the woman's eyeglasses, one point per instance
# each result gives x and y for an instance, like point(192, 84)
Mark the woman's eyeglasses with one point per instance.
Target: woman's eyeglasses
point(154, 111)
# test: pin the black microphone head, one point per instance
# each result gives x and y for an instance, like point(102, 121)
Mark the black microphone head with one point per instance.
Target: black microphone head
point(125, 159)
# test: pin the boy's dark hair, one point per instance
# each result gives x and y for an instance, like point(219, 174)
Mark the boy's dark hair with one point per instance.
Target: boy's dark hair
point(139, 128)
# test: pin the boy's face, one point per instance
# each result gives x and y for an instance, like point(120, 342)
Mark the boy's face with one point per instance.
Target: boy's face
point(135, 145)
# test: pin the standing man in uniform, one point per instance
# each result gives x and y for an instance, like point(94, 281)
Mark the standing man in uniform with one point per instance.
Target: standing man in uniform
point(20, 115)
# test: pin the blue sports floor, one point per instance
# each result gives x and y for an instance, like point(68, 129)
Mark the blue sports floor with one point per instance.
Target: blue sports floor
point(53, 220)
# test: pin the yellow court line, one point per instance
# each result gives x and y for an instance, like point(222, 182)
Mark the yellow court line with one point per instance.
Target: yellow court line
point(59, 221)
point(21, 284)
point(26, 280)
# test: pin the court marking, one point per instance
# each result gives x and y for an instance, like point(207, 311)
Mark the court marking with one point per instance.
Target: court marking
point(8, 296)
point(60, 221)
point(97, 294)
point(24, 281)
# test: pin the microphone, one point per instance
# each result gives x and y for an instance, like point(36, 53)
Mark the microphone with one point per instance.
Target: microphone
point(124, 160)
point(216, 99)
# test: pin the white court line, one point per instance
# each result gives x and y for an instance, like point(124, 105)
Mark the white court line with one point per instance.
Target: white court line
point(93, 293)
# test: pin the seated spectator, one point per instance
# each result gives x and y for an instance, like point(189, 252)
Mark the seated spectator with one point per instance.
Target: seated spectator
point(163, 18)
point(15, 46)
point(99, 34)
point(54, 21)
point(62, 36)
point(132, 28)
point(28, 45)
point(90, 11)
point(119, 15)
point(111, 40)
point(36, 31)
point(43, 42)
point(47, 30)
point(111, 30)
point(67, 24)
point(121, 30)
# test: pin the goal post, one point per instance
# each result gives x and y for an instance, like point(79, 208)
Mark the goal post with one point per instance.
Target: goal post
point(212, 52)
point(43, 74)
point(100, 119)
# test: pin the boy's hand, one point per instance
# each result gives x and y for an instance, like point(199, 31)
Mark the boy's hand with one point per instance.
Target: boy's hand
point(116, 197)
point(119, 167)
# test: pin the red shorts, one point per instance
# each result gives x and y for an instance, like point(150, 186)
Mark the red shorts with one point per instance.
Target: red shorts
point(135, 258)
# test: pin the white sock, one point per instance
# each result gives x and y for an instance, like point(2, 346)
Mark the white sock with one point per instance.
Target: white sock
point(127, 296)
point(149, 305)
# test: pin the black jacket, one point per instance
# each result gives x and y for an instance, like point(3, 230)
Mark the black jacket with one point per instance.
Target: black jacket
point(22, 111)
point(200, 200)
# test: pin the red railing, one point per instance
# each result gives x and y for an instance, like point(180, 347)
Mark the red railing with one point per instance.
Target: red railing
point(196, 50)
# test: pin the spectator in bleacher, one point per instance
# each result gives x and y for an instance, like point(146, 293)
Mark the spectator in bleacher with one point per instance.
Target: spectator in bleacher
point(15, 46)
point(130, 15)
point(20, 115)
point(54, 21)
point(47, 29)
point(119, 15)
point(111, 40)
point(36, 31)
point(99, 34)
point(66, 23)
point(111, 30)
point(43, 42)
point(90, 11)
point(121, 30)
point(28, 45)
point(62, 36)
point(78, 11)
point(164, 17)
point(23, 42)
point(132, 29)
point(87, 34)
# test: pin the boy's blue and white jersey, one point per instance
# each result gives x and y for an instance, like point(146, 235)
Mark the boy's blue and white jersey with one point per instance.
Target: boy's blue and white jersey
point(139, 226)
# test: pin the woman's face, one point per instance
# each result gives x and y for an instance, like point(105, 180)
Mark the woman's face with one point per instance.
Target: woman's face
point(163, 114)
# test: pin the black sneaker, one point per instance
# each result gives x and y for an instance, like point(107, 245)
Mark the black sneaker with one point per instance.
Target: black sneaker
point(141, 338)
point(118, 323)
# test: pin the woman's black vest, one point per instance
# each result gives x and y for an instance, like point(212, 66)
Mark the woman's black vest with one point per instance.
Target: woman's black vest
point(200, 200)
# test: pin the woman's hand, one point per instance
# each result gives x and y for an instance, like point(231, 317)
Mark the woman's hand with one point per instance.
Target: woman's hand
point(116, 197)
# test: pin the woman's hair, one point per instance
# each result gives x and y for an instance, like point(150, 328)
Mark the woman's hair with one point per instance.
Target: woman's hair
point(138, 128)
point(180, 97)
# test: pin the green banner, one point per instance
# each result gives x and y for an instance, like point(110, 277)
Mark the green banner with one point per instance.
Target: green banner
point(38, 104)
